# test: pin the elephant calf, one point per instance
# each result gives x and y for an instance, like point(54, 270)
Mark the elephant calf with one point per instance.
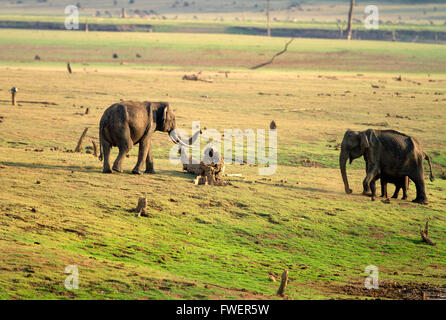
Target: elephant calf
point(127, 123)
point(399, 182)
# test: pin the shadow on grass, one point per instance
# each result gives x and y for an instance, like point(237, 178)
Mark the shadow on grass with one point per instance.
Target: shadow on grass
point(49, 166)
point(98, 169)
point(287, 186)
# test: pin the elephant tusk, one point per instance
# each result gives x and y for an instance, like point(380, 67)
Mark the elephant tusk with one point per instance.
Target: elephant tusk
point(174, 137)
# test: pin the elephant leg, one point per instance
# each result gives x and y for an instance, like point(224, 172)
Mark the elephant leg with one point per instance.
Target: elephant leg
point(149, 160)
point(125, 144)
point(371, 176)
point(397, 191)
point(106, 147)
point(404, 193)
point(383, 189)
point(418, 179)
point(373, 189)
point(142, 155)
point(405, 187)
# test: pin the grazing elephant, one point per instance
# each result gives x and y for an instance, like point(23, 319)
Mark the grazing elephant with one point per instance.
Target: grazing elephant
point(127, 123)
point(386, 152)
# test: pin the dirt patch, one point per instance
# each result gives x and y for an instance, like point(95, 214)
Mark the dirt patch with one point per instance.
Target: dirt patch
point(311, 164)
point(395, 291)
point(374, 124)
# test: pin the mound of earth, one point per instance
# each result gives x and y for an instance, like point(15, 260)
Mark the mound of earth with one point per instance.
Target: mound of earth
point(395, 291)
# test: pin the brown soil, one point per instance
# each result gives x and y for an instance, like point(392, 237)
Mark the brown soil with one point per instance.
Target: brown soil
point(395, 291)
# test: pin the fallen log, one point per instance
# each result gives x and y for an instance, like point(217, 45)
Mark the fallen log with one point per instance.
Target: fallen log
point(194, 77)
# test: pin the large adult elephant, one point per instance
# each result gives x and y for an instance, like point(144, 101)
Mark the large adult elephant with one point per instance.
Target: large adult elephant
point(387, 152)
point(127, 123)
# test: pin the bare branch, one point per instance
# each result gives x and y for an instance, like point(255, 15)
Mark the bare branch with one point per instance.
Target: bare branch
point(274, 56)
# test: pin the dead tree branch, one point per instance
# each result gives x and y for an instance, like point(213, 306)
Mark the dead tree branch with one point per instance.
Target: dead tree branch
point(81, 139)
point(425, 233)
point(274, 56)
point(95, 149)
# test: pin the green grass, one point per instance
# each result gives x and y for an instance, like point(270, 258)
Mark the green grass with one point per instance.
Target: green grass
point(205, 242)
point(216, 51)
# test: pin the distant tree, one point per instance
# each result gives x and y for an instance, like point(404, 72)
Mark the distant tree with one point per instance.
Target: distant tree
point(268, 29)
point(350, 18)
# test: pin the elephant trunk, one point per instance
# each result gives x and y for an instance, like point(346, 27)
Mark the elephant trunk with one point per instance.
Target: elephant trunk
point(342, 164)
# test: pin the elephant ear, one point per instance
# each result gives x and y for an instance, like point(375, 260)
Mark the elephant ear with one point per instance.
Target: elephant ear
point(373, 139)
point(364, 141)
point(166, 111)
point(150, 113)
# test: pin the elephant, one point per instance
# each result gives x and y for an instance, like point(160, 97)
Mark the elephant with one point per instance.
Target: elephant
point(399, 182)
point(127, 123)
point(386, 152)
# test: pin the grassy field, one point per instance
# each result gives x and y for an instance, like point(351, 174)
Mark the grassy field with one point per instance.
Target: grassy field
point(212, 51)
point(203, 242)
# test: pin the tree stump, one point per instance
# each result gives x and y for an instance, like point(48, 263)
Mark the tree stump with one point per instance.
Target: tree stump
point(273, 125)
point(283, 283)
point(425, 233)
point(13, 95)
point(208, 172)
point(142, 207)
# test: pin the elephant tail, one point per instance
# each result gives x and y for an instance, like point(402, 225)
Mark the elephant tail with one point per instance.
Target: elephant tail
point(431, 176)
point(101, 138)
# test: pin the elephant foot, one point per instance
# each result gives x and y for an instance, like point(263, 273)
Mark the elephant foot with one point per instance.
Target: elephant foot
point(136, 171)
point(117, 170)
point(420, 201)
point(367, 194)
point(373, 198)
point(394, 197)
point(150, 171)
point(404, 198)
point(106, 171)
